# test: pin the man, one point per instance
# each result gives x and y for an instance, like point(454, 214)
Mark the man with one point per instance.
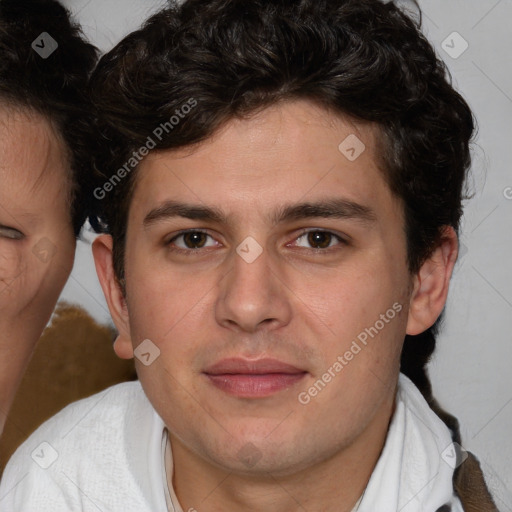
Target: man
point(44, 67)
point(281, 192)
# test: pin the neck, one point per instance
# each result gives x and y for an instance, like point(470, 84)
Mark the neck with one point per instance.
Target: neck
point(332, 485)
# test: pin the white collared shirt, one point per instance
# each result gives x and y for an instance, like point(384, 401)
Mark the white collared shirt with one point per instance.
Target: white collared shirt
point(107, 453)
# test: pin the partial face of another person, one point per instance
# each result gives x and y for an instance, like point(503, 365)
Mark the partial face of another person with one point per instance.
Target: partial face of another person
point(268, 270)
point(37, 242)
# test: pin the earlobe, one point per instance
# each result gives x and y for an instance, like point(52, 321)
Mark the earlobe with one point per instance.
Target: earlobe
point(431, 284)
point(102, 252)
point(123, 347)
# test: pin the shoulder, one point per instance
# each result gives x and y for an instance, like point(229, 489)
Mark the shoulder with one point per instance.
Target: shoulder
point(92, 417)
point(90, 448)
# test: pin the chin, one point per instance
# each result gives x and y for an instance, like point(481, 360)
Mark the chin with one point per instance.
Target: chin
point(258, 455)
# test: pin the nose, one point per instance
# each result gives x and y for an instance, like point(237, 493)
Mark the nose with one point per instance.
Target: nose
point(252, 296)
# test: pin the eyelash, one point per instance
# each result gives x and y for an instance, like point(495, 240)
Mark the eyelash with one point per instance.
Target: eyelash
point(190, 252)
point(11, 233)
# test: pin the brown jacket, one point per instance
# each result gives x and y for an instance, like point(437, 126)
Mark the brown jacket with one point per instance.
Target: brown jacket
point(471, 488)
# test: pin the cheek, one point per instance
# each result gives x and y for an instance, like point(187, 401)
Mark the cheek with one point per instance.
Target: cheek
point(346, 299)
point(11, 264)
point(165, 304)
point(359, 314)
point(53, 246)
point(33, 275)
point(61, 263)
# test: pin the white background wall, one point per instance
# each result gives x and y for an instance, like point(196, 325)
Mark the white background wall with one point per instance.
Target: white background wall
point(472, 368)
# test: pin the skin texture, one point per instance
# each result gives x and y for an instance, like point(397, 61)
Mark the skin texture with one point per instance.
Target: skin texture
point(294, 303)
point(37, 243)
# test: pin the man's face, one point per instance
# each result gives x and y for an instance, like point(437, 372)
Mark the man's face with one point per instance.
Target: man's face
point(37, 243)
point(244, 336)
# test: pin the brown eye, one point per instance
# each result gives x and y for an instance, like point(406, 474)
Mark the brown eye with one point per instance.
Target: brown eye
point(195, 239)
point(319, 239)
point(191, 240)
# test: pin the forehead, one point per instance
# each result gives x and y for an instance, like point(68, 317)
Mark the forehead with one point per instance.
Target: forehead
point(295, 150)
point(32, 155)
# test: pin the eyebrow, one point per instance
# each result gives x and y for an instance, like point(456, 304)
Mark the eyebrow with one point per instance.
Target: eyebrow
point(29, 219)
point(331, 208)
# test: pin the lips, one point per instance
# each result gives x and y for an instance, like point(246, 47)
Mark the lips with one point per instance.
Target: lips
point(246, 378)
point(251, 367)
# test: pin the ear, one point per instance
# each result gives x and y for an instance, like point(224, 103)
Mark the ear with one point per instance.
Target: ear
point(102, 252)
point(431, 284)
